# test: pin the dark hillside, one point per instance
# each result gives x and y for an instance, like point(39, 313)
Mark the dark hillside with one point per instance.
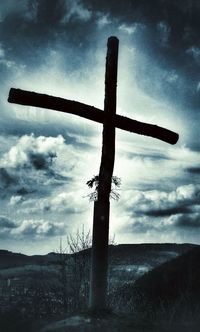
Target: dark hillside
point(55, 284)
point(170, 291)
point(9, 259)
point(173, 279)
point(147, 252)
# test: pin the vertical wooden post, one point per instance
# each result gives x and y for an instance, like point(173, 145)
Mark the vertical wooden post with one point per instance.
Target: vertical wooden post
point(99, 266)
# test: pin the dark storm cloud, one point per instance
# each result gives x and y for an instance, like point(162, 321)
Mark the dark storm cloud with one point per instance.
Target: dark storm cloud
point(6, 223)
point(7, 179)
point(31, 29)
point(40, 161)
point(187, 220)
point(170, 38)
point(12, 182)
point(176, 22)
point(42, 21)
point(183, 200)
point(27, 34)
point(30, 166)
point(166, 212)
point(7, 226)
point(160, 213)
point(50, 12)
point(193, 170)
point(20, 182)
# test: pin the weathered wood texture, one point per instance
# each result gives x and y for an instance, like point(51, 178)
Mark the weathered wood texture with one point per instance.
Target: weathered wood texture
point(23, 97)
point(99, 266)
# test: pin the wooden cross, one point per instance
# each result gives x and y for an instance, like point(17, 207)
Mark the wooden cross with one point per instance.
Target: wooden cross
point(110, 120)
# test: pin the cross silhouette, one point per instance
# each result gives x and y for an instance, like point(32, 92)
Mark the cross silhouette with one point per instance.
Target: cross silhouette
point(110, 121)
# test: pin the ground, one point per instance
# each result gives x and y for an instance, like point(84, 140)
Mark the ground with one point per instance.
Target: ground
point(115, 323)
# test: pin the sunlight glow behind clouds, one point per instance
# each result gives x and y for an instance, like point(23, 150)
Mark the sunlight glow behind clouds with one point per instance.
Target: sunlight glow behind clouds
point(62, 52)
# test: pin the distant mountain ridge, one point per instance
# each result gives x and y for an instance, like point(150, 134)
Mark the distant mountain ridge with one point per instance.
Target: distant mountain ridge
point(121, 254)
point(11, 259)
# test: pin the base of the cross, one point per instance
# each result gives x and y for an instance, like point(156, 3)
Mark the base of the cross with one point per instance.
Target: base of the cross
point(99, 259)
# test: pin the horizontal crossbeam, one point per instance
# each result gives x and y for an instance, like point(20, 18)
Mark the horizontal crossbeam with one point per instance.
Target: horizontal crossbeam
point(23, 97)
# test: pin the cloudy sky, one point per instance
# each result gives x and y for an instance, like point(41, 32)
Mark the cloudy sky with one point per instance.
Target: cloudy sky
point(46, 158)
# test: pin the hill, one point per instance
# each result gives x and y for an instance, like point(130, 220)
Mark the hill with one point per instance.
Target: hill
point(124, 254)
point(170, 291)
point(127, 262)
point(9, 259)
point(146, 281)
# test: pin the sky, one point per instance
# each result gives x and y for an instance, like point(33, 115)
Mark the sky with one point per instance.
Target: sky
point(46, 158)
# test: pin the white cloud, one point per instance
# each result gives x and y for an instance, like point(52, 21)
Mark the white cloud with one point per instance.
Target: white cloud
point(38, 228)
point(3, 60)
point(76, 10)
point(30, 228)
point(184, 155)
point(29, 167)
point(147, 216)
point(194, 51)
point(31, 151)
point(171, 76)
point(15, 200)
point(158, 201)
point(70, 202)
point(129, 29)
point(103, 20)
